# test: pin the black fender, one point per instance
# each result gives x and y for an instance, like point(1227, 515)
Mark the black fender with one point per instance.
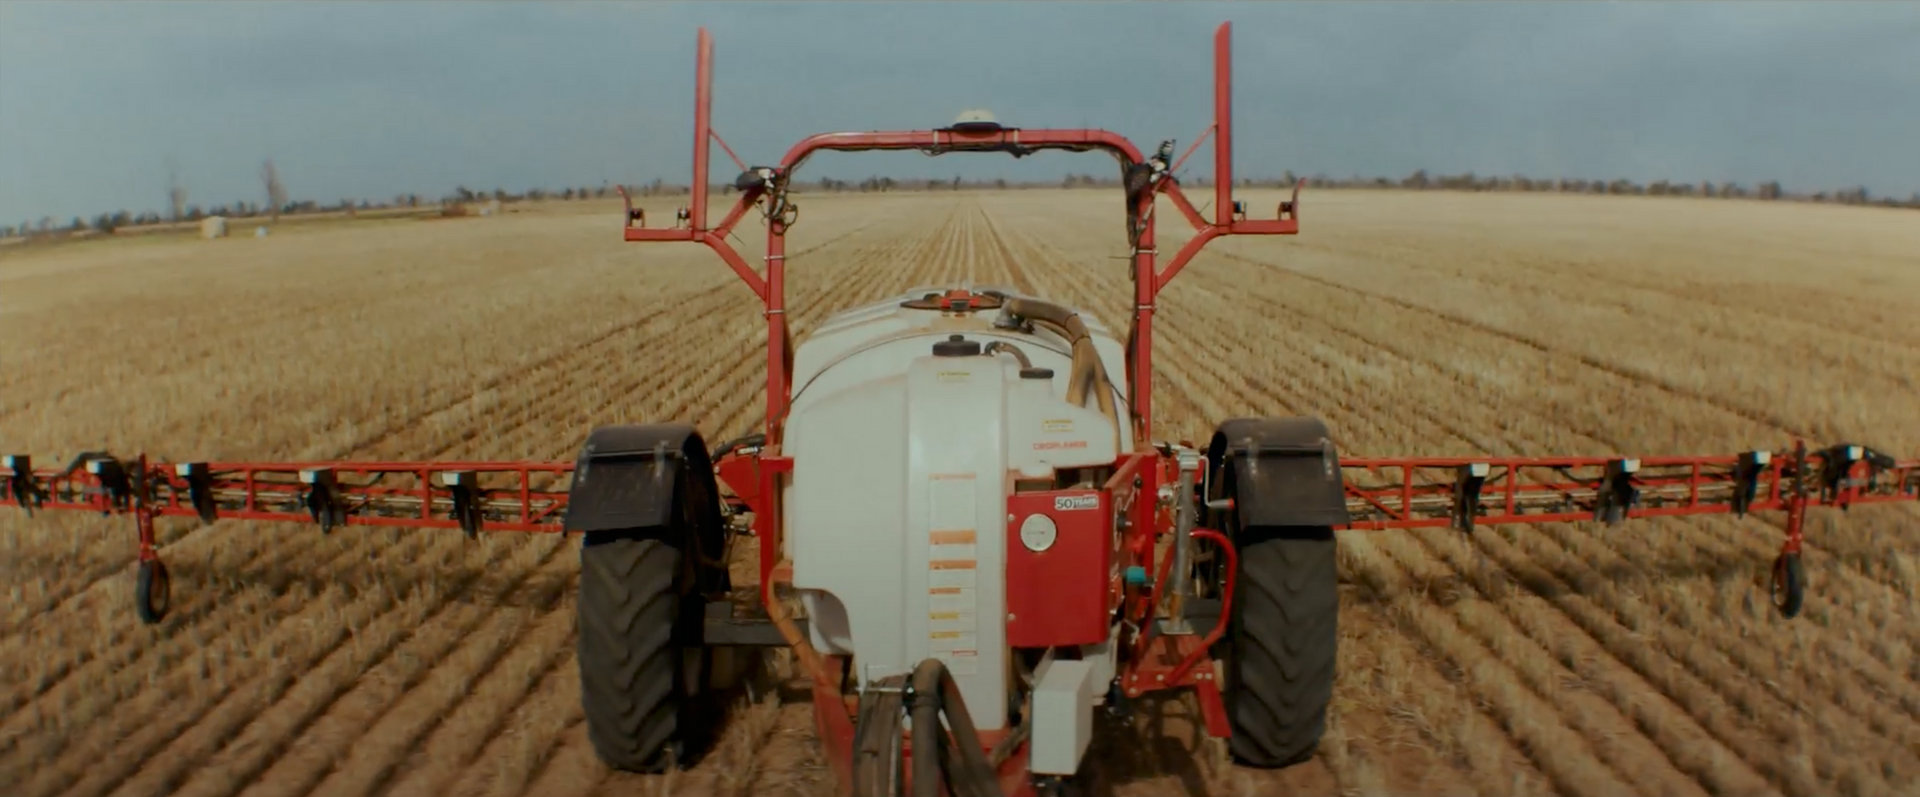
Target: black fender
point(1285, 472)
point(637, 479)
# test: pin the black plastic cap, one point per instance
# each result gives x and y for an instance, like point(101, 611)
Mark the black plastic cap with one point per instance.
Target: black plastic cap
point(1036, 373)
point(956, 346)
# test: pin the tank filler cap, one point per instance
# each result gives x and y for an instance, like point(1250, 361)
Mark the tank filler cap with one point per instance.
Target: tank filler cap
point(1036, 373)
point(956, 346)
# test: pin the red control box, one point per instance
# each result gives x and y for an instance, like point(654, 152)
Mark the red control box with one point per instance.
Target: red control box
point(1059, 553)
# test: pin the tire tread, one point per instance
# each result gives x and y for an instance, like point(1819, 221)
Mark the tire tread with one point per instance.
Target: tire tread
point(1285, 634)
point(629, 662)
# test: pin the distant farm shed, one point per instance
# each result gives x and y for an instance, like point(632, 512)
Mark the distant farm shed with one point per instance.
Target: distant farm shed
point(213, 227)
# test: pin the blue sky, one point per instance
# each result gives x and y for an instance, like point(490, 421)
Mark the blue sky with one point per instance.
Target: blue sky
point(360, 99)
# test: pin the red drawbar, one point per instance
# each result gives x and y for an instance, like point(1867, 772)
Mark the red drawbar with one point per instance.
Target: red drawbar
point(1058, 595)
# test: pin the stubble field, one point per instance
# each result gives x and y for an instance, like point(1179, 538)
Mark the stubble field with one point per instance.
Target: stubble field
point(1563, 659)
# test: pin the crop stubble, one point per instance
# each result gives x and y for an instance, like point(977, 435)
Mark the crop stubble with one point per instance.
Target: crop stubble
point(1563, 659)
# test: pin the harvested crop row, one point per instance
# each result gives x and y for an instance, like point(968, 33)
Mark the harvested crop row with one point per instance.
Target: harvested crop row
point(1553, 660)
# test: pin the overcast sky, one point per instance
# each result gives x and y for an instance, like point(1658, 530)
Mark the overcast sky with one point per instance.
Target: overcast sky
point(358, 99)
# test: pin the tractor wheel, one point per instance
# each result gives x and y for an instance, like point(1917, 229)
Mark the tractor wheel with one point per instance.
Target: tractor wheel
point(1788, 586)
point(152, 592)
point(1281, 644)
point(640, 656)
point(644, 664)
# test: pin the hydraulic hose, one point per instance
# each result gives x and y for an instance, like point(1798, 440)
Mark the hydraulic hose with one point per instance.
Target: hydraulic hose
point(1001, 345)
point(1088, 371)
point(967, 773)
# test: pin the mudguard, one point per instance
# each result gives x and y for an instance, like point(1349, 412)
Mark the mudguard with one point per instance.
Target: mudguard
point(1285, 472)
point(627, 477)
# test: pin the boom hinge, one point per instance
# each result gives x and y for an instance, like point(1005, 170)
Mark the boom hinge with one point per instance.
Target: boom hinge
point(464, 488)
point(1746, 479)
point(20, 484)
point(1616, 495)
point(323, 500)
point(199, 489)
point(114, 480)
point(1466, 494)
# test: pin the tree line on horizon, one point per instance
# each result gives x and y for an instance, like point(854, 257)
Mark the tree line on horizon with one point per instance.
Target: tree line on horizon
point(278, 202)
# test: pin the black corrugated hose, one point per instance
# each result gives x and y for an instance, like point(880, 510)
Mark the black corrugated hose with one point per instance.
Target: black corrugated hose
point(957, 756)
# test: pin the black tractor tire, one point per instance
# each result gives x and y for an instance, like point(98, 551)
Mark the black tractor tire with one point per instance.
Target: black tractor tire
point(152, 592)
point(644, 663)
point(1282, 644)
point(1788, 586)
point(634, 640)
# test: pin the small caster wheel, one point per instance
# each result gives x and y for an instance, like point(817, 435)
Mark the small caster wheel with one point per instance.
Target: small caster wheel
point(1788, 585)
point(152, 592)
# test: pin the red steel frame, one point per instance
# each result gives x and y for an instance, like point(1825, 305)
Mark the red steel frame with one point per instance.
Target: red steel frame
point(530, 496)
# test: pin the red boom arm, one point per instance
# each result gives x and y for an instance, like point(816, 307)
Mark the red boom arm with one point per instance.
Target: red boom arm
point(1382, 492)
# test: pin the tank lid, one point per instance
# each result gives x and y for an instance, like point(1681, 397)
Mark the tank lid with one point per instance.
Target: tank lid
point(1036, 373)
point(956, 346)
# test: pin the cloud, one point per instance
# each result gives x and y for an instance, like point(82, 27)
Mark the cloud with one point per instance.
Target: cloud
point(355, 99)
